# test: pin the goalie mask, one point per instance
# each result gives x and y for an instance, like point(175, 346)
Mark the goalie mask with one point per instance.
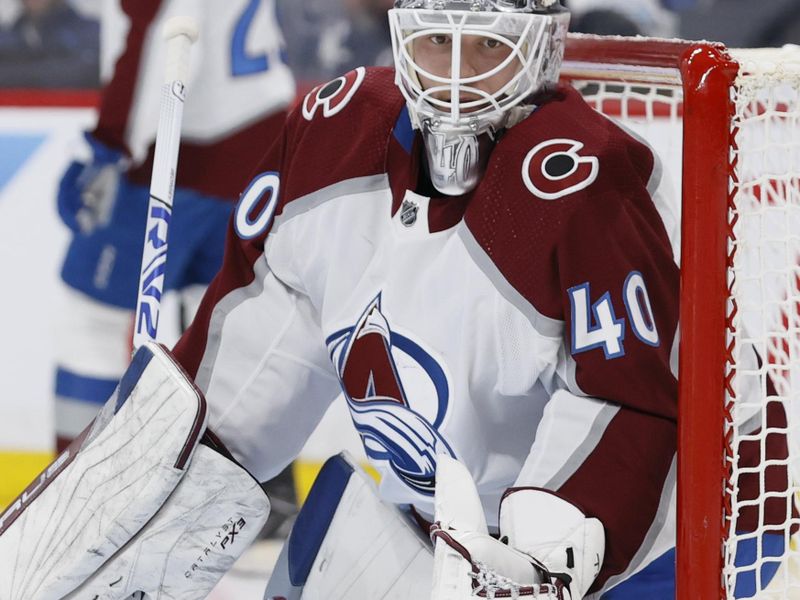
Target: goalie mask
point(468, 69)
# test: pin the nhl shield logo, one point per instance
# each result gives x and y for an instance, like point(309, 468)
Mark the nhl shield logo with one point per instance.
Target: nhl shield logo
point(408, 212)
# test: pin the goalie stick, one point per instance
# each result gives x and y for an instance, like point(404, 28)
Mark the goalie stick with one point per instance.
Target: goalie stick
point(180, 33)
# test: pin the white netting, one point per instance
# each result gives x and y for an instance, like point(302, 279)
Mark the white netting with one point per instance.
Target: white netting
point(765, 317)
point(764, 308)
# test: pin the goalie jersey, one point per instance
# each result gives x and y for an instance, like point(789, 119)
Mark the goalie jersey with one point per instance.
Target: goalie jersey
point(527, 329)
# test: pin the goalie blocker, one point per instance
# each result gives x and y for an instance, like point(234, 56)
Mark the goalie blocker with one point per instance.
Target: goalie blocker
point(138, 503)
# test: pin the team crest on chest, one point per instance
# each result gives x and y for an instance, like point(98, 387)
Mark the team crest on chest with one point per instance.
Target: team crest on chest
point(555, 168)
point(398, 395)
point(334, 96)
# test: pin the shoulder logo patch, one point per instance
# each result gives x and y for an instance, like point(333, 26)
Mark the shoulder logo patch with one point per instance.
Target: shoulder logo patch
point(334, 96)
point(555, 169)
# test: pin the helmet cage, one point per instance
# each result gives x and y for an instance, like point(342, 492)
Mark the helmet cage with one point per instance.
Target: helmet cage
point(527, 6)
point(535, 44)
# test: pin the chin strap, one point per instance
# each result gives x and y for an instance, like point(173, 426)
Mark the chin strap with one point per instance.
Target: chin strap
point(456, 161)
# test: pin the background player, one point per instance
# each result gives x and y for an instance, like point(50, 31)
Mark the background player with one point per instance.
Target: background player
point(240, 88)
point(238, 92)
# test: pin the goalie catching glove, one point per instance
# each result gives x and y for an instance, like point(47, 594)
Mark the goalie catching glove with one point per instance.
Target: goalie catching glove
point(548, 548)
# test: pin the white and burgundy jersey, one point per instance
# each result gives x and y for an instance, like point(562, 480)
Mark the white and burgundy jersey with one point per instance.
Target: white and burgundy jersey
point(237, 92)
point(527, 328)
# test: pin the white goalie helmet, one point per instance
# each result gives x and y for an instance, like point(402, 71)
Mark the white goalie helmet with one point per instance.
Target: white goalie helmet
point(468, 69)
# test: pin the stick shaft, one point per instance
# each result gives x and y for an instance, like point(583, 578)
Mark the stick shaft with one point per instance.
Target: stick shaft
point(180, 37)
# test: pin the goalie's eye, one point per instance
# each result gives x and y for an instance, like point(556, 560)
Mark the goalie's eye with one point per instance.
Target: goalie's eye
point(492, 43)
point(440, 39)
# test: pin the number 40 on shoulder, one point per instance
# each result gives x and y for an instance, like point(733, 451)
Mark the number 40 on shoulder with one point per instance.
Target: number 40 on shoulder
point(596, 325)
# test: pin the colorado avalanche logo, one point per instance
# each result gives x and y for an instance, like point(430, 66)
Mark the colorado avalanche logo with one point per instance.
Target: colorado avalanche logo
point(555, 169)
point(397, 418)
point(333, 96)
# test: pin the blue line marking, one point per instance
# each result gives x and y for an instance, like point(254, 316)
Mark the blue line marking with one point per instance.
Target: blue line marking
point(15, 150)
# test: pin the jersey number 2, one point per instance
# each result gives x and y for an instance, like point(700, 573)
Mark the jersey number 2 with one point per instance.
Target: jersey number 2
point(597, 326)
point(243, 63)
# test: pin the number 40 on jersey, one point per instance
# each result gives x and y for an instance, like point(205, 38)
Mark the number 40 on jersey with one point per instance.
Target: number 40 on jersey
point(597, 325)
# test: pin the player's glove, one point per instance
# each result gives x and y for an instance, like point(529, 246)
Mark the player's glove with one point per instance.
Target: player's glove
point(88, 191)
point(548, 548)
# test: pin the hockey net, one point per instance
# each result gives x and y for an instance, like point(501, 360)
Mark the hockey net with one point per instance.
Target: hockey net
point(726, 125)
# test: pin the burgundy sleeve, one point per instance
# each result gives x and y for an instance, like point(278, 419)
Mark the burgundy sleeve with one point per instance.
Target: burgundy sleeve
point(620, 289)
point(579, 238)
point(238, 265)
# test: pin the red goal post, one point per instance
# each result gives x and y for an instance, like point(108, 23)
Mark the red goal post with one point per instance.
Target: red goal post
point(725, 122)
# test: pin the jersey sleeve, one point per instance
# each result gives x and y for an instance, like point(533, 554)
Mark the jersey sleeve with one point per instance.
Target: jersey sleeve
point(607, 441)
point(119, 93)
point(627, 295)
point(255, 347)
